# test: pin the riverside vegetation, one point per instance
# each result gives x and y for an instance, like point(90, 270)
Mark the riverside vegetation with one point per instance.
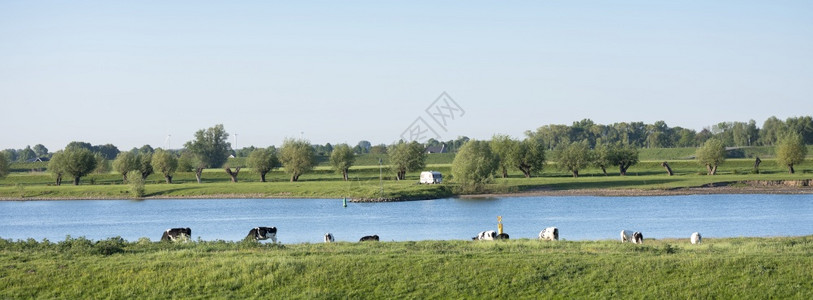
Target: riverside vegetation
point(26, 181)
point(738, 268)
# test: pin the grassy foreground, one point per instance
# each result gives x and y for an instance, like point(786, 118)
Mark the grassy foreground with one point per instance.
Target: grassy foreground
point(731, 268)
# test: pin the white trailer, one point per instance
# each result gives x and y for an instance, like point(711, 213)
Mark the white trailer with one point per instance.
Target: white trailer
point(431, 177)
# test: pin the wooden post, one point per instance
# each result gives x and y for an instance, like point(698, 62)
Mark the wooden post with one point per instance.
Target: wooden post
point(499, 224)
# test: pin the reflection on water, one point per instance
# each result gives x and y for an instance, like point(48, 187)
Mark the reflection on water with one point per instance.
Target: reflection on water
point(307, 220)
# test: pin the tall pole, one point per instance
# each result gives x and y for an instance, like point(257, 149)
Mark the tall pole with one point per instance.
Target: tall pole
point(381, 177)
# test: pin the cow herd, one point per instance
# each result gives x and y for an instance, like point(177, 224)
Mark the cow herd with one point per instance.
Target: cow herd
point(548, 234)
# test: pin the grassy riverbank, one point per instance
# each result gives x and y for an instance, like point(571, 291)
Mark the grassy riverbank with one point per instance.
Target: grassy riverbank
point(741, 268)
point(365, 183)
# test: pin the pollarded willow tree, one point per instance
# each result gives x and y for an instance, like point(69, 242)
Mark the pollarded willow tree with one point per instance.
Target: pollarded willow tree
point(210, 148)
point(504, 148)
point(711, 155)
point(790, 150)
point(262, 161)
point(342, 158)
point(573, 157)
point(164, 162)
point(126, 162)
point(74, 162)
point(405, 157)
point(622, 156)
point(529, 156)
point(298, 157)
point(474, 165)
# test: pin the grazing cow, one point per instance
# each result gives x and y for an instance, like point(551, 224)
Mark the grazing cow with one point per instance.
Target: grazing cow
point(632, 237)
point(501, 236)
point(485, 236)
point(173, 234)
point(263, 233)
point(372, 238)
point(329, 237)
point(550, 234)
point(637, 238)
point(696, 238)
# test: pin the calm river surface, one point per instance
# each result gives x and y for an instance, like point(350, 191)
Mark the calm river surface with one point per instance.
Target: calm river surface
point(306, 220)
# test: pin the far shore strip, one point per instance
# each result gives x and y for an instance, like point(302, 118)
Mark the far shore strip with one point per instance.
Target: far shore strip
point(781, 190)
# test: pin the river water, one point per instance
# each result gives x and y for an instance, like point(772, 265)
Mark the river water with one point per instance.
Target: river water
point(306, 220)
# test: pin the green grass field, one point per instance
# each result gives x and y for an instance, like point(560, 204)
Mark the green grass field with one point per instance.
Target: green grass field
point(730, 268)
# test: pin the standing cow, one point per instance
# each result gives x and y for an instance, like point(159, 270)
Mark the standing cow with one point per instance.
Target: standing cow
point(632, 237)
point(174, 234)
point(329, 238)
point(263, 233)
point(550, 234)
point(696, 238)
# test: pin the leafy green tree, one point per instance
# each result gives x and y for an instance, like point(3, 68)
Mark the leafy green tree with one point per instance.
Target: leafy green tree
point(210, 148)
point(263, 161)
point(601, 157)
point(342, 158)
point(711, 155)
point(79, 145)
point(790, 150)
point(164, 162)
point(298, 157)
point(136, 184)
point(4, 168)
point(406, 157)
point(11, 155)
point(474, 165)
point(108, 151)
point(573, 157)
point(145, 164)
point(40, 150)
point(146, 149)
point(26, 154)
point(186, 162)
point(126, 162)
point(76, 162)
point(55, 166)
point(504, 148)
point(529, 156)
point(623, 157)
point(102, 164)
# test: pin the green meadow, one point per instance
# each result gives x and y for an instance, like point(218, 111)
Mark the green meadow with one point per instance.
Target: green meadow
point(369, 180)
point(728, 268)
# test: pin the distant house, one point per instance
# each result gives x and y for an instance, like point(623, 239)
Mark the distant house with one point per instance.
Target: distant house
point(37, 159)
point(436, 149)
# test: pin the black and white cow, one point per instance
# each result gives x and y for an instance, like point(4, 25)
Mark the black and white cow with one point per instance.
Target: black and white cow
point(501, 236)
point(696, 238)
point(329, 238)
point(485, 236)
point(174, 234)
point(263, 233)
point(550, 234)
point(632, 237)
point(366, 238)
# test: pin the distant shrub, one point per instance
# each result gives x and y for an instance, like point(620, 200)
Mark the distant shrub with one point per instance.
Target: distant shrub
point(136, 183)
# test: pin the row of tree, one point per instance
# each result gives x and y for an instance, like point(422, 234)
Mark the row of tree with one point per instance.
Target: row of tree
point(660, 135)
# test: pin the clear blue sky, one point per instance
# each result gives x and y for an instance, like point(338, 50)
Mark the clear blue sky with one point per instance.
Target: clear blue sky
point(132, 72)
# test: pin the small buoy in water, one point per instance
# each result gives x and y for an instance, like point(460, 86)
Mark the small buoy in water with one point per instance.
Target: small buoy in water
point(344, 203)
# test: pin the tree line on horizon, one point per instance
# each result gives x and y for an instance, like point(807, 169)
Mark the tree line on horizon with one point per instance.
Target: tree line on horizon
point(573, 147)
